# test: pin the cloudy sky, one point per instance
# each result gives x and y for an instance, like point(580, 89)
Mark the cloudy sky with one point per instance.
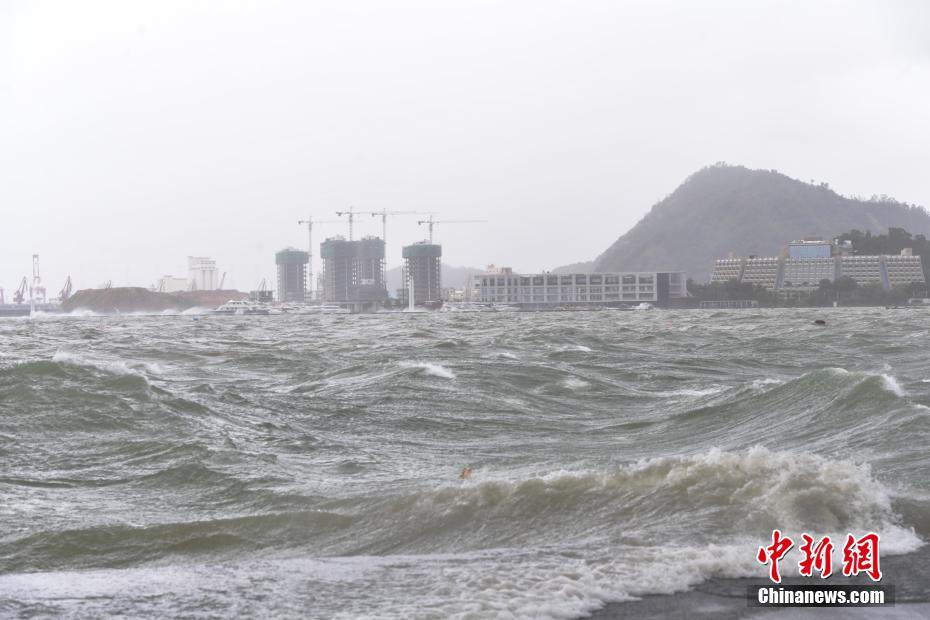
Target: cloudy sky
point(134, 134)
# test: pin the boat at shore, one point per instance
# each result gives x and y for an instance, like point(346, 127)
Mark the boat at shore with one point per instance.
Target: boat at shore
point(241, 307)
point(309, 309)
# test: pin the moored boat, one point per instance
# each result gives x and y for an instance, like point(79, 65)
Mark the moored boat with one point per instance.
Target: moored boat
point(241, 307)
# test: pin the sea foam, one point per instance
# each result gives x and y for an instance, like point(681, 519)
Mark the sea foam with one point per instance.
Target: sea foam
point(431, 369)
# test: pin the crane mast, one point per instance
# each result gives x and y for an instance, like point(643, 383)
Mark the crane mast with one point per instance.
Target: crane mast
point(351, 213)
point(310, 222)
point(433, 222)
point(384, 213)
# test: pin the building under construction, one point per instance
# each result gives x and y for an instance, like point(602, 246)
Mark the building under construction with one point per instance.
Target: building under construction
point(292, 274)
point(353, 272)
point(423, 266)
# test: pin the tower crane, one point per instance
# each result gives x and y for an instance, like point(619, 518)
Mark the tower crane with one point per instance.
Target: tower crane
point(310, 222)
point(433, 222)
point(222, 281)
point(351, 213)
point(384, 213)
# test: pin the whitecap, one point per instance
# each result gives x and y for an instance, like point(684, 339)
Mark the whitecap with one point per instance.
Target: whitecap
point(759, 384)
point(693, 393)
point(891, 384)
point(431, 369)
point(114, 367)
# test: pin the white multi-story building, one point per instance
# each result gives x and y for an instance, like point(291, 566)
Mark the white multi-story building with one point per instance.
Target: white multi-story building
point(544, 289)
point(807, 264)
point(202, 273)
point(864, 269)
point(727, 269)
point(807, 273)
point(761, 271)
point(903, 270)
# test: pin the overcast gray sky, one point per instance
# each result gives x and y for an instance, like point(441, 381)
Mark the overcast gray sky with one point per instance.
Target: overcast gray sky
point(134, 134)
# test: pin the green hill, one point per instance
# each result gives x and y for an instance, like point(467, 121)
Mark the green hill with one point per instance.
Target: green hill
point(724, 208)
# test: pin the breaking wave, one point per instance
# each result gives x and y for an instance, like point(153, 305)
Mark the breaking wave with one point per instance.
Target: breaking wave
point(270, 467)
point(430, 369)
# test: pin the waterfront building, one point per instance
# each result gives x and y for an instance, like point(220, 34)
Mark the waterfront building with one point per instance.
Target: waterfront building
point(728, 269)
point(581, 289)
point(810, 248)
point(761, 271)
point(292, 274)
point(805, 264)
point(423, 263)
point(353, 272)
point(806, 273)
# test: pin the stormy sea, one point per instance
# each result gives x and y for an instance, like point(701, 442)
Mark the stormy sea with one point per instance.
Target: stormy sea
point(624, 464)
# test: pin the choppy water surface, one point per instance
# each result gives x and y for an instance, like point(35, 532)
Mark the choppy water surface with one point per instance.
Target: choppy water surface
point(309, 465)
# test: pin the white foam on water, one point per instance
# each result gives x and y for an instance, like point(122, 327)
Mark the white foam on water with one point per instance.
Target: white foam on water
point(693, 393)
point(573, 348)
point(151, 367)
point(113, 367)
point(574, 383)
point(559, 579)
point(759, 384)
point(83, 312)
point(431, 369)
point(891, 384)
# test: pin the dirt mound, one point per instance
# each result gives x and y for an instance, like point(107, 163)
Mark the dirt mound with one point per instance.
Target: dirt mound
point(122, 299)
point(138, 299)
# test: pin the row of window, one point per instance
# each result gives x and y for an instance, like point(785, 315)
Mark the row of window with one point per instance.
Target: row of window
point(570, 280)
point(563, 291)
point(542, 298)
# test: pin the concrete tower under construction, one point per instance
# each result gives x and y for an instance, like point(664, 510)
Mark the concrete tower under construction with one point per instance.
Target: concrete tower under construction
point(353, 272)
point(292, 274)
point(423, 264)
